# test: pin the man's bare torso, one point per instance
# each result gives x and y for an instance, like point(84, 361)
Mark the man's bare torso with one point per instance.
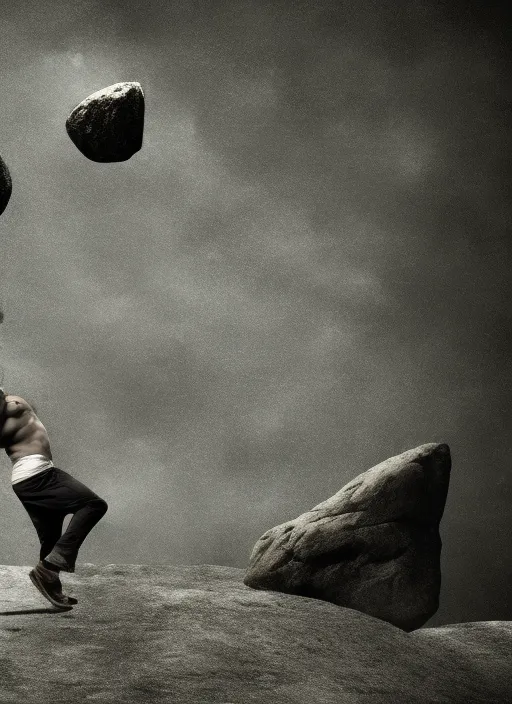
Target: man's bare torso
point(21, 431)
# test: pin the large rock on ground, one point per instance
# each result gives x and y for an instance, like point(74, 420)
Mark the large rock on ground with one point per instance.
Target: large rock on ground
point(374, 546)
point(5, 185)
point(108, 125)
point(196, 634)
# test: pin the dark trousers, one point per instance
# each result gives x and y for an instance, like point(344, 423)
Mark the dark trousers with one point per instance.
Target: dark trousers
point(48, 498)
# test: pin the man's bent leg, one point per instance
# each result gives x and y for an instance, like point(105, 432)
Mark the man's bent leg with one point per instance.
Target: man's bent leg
point(48, 525)
point(58, 492)
point(65, 550)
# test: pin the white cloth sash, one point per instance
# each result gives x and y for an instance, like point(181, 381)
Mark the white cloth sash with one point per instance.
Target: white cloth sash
point(29, 466)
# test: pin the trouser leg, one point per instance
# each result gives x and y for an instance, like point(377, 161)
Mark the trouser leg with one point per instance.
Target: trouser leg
point(48, 525)
point(56, 493)
point(65, 550)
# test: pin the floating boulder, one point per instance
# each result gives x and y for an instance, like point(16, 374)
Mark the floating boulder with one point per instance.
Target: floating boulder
point(374, 546)
point(109, 124)
point(5, 185)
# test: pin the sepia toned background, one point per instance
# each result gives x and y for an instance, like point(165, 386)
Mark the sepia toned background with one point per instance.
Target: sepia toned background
point(304, 271)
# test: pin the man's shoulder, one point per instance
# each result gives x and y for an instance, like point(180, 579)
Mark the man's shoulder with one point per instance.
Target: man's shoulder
point(16, 399)
point(16, 404)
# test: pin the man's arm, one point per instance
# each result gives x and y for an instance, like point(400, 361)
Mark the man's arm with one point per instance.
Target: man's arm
point(16, 406)
point(13, 417)
point(12, 406)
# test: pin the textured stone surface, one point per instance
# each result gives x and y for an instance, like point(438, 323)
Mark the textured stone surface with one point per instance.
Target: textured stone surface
point(108, 125)
point(5, 185)
point(197, 635)
point(374, 546)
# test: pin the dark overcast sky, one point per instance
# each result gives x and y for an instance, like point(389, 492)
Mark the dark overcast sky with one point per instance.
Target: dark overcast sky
point(304, 271)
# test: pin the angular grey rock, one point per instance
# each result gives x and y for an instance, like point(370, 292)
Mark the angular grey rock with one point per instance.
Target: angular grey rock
point(109, 124)
point(5, 185)
point(374, 546)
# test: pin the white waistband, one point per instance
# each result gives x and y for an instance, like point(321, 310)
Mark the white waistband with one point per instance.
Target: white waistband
point(29, 466)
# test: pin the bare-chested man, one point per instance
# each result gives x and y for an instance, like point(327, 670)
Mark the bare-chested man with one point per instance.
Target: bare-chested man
point(48, 494)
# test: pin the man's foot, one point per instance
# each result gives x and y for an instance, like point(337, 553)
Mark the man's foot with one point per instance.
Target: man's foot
point(53, 575)
point(49, 587)
point(55, 560)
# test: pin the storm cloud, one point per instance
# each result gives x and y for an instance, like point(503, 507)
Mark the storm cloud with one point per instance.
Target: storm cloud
point(304, 271)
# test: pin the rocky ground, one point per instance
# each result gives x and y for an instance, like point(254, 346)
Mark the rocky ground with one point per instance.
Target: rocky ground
point(196, 634)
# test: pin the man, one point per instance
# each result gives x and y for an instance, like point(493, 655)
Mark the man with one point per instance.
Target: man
point(48, 494)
